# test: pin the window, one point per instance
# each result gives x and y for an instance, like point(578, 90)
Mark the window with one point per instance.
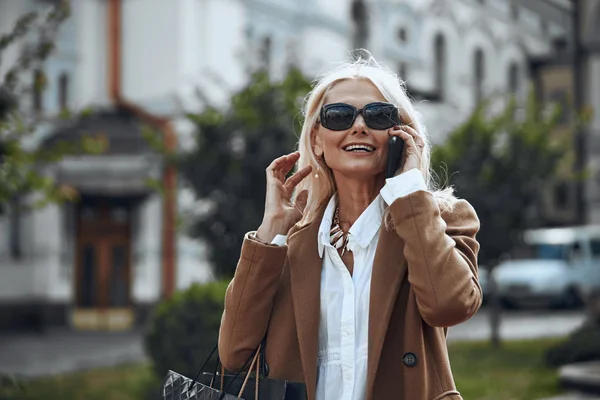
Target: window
point(513, 78)
point(595, 247)
point(265, 53)
point(560, 98)
point(63, 91)
point(88, 280)
point(292, 53)
point(249, 32)
point(561, 196)
point(14, 229)
point(38, 88)
point(560, 45)
point(359, 14)
point(440, 65)
point(479, 76)
point(514, 12)
point(546, 251)
point(402, 35)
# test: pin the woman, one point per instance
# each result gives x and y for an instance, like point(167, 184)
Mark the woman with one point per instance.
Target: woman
point(354, 283)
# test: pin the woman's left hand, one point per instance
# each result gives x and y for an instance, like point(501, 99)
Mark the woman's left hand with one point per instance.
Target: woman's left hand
point(413, 147)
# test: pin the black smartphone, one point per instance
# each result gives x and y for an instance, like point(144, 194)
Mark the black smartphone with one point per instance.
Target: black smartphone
point(395, 149)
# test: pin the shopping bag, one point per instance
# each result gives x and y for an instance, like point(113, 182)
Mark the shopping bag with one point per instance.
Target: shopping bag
point(218, 385)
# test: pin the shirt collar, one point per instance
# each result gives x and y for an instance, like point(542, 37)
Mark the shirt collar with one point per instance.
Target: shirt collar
point(361, 232)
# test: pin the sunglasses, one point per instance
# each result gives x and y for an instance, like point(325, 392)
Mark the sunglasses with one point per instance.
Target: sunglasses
point(341, 116)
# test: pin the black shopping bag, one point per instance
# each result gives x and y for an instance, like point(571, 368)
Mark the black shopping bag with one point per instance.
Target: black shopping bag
point(179, 387)
point(268, 389)
point(251, 385)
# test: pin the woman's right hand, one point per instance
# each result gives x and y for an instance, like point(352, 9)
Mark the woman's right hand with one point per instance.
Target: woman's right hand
point(280, 213)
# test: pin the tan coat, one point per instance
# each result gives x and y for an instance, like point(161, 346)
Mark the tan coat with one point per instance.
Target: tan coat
point(424, 280)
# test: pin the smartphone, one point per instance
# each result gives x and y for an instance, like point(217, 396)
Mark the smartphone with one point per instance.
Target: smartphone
point(395, 149)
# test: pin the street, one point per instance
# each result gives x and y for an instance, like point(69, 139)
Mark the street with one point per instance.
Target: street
point(34, 355)
point(56, 352)
point(528, 324)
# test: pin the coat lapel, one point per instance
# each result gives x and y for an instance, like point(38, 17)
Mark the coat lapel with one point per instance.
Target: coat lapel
point(305, 272)
point(389, 270)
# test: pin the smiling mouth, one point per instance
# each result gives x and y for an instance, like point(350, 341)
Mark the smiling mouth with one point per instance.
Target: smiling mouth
point(359, 148)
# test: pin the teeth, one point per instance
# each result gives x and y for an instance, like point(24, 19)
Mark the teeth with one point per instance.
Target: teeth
point(363, 147)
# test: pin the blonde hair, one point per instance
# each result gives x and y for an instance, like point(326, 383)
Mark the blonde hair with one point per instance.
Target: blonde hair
point(320, 184)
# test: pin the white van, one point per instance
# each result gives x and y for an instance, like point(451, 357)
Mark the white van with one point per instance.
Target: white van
point(556, 267)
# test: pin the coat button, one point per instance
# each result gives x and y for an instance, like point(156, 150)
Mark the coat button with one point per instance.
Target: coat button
point(409, 359)
point(266, 369)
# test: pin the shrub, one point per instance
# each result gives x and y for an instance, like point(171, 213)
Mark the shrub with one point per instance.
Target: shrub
point(184, 329)
point(581, 345)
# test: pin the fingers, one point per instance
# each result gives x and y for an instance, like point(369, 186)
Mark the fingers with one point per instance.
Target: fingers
point(410, 136)
point(408, 139)
point(295, 179)
point(281, 166)
point(417, 138)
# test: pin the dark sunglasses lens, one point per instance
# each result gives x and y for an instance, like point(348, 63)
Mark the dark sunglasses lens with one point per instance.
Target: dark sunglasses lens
point(338, 118)
point(381, 116)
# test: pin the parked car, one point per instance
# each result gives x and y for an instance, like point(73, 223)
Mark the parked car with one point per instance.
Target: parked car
point(562, 268)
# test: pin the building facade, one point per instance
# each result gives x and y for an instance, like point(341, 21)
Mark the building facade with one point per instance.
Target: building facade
point(103, 262)
point(588, 12)
point(571, 76)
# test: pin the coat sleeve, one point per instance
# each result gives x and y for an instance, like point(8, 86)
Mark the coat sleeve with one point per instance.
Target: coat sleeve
point(441, 251)
point(249, 301)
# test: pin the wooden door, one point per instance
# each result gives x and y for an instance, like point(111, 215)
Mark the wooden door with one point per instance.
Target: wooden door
point(103, 263)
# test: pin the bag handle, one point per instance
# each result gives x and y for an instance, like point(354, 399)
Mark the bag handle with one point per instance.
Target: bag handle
point(195, 380)
point(254, 365)
point(255, 361)
point(204, 365)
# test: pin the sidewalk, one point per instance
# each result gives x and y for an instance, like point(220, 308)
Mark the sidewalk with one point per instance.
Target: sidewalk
point(33, 355)
point(583, 376)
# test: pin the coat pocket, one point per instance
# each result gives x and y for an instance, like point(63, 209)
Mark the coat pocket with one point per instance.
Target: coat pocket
point(448, 395)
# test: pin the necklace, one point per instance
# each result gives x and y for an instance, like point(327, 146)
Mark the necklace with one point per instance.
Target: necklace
point(338, 238)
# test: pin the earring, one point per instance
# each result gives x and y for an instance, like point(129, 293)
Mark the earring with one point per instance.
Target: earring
point(318, 165)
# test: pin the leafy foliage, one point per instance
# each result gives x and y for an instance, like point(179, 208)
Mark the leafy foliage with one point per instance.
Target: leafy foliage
point(235, 147)
point(501, 163)
point(185, 328)
point(19, 173)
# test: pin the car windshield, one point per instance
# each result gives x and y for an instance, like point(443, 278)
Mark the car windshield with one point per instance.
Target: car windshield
point(551, 251)
point(545, 251)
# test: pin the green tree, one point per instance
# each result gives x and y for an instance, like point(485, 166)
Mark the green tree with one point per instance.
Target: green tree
point(34, 36)
point(502, 163)
point(234, 147)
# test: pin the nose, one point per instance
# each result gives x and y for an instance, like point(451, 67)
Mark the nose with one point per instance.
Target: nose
point(359, 127)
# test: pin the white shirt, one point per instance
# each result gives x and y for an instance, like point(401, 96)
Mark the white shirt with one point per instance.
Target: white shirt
point(344, 320)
